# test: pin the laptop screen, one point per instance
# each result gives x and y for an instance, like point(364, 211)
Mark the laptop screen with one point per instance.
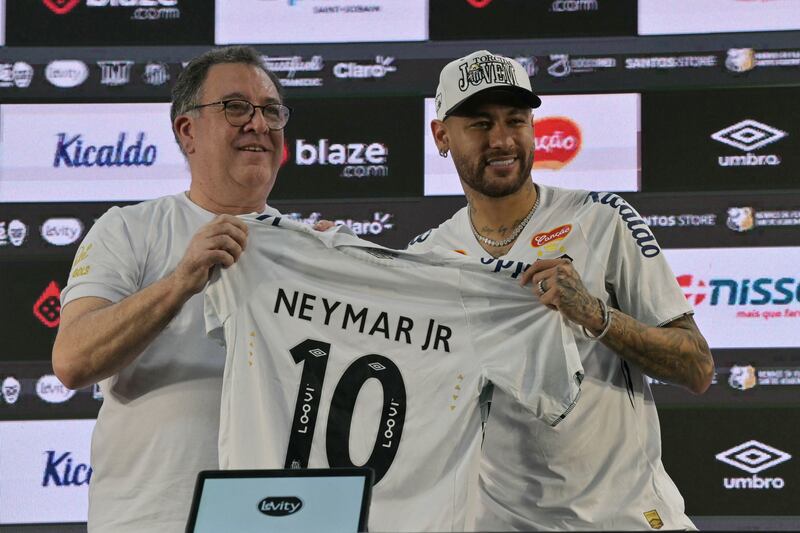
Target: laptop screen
point(289, 501)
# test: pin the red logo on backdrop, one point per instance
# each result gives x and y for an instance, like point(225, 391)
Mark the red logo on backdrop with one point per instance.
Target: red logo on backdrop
point(695, 292)
point(558, 141)
point(285, 156)
point(540, 239)
point(61, 7)
point(479, 3)
point(48, 307)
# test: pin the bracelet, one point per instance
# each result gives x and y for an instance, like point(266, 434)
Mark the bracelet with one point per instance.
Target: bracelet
point(606, 322)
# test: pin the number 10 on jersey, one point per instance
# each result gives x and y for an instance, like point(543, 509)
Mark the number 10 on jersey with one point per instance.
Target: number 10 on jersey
point(313, 354)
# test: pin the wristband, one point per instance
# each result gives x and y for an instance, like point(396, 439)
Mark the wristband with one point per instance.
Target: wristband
point(606, 322)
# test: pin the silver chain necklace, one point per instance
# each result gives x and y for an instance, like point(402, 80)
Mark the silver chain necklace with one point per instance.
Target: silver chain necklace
point(514, 234)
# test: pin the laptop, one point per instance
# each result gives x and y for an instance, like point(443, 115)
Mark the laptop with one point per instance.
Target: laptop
point(289, 501)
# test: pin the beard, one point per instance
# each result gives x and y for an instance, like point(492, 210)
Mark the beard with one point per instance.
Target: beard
point(473, 173)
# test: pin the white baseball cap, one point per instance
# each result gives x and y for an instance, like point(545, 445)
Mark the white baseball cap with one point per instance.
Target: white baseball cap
point(465, 77)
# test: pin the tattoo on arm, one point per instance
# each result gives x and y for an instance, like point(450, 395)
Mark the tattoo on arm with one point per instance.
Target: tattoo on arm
point(676, 353)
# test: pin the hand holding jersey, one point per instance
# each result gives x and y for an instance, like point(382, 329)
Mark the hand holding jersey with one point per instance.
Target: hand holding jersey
point(557, 284)
point(220, 242)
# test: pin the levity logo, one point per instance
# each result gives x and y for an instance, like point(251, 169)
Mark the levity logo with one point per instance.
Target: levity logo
point(51, 390)
point(358, 160)
point(644, 238)
point(71, 152)
point(280, 505)
point(747, 136)
point(66, 73)
point(62, 231)
point(753, 457)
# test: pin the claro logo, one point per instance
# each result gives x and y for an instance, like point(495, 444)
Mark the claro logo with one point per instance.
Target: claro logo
point(358, 160)
point(280, 505)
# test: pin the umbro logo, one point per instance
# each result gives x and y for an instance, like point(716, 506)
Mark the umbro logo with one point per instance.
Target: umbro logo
point(748, 135)
point(753, 456)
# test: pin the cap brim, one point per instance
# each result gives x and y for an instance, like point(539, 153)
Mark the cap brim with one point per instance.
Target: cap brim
point(497, 95)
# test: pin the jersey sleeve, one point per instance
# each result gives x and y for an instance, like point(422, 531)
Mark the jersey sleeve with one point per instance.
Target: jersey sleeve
point(106, 264)
point(636, 270)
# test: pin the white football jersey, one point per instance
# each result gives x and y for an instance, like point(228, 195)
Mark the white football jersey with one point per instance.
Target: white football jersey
point(600, 469)
point(343, 353)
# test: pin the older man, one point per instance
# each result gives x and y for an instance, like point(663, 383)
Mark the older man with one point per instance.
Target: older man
point(132, 318)
point(594, 261)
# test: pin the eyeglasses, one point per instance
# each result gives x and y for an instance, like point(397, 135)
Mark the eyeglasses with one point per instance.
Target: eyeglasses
point(240, 112)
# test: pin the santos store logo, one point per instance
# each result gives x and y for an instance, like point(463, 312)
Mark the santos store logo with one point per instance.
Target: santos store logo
point(749, 135)
point(753, 457)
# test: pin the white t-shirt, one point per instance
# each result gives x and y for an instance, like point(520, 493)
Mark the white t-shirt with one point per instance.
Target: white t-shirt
point(158, 425)
point(342, 353)
point(601, 468)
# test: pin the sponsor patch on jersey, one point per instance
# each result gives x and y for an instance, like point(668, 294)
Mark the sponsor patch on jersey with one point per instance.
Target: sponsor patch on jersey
point(547, 237)
point(653, 519)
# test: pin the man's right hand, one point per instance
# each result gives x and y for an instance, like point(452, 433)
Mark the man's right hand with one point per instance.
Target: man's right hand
point(220, 242)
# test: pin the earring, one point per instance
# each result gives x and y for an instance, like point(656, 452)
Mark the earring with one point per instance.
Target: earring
point(443, 153)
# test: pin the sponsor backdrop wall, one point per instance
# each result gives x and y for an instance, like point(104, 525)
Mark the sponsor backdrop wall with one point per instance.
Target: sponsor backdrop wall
point(697, 128)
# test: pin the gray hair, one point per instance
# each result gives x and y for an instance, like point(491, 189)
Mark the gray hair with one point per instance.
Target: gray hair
point(187, 88)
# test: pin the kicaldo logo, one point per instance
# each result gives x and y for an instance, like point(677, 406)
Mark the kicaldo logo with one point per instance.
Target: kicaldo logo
point(558, 141)
point(480, 4)
point(357, 160)
point(740, 292)
point(753, 457)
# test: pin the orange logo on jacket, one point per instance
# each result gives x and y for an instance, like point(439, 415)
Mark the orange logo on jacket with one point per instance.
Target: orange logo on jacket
point(556, 234)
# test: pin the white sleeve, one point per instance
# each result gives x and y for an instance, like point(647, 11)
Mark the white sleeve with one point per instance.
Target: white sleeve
point(106, 264)
point(636, 270)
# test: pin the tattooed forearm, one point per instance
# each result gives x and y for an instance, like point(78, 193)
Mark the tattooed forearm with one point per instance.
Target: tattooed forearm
point(676, 353)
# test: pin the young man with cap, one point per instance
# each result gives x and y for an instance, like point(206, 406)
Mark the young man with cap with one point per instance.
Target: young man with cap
point(595, 261)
